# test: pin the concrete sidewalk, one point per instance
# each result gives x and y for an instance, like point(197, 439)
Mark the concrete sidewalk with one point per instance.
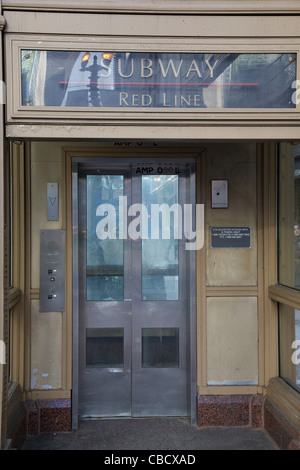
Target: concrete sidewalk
point(150, 434)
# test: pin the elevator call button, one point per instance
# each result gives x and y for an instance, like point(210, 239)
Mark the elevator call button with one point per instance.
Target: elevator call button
point(52, 270)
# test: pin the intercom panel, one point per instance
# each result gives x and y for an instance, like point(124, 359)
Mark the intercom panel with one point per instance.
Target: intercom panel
point(52, 270)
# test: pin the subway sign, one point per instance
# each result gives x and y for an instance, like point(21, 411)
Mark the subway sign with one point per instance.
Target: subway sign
point(131, 80)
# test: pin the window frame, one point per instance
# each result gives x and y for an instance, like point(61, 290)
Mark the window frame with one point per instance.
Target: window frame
point(16, 280)
point(18, 113)
point(284, 295)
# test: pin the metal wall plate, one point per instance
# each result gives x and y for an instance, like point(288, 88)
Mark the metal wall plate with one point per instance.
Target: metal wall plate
point(52, 270)
point(52, 201)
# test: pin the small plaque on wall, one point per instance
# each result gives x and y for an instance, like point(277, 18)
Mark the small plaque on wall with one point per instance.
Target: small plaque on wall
point(230, 237)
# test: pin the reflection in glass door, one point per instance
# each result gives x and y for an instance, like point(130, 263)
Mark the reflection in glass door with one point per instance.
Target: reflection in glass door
point(104, 257)
point(133, 310)
point(160, 249)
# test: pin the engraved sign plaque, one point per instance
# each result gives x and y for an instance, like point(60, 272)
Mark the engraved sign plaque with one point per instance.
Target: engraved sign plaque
point(230, 237)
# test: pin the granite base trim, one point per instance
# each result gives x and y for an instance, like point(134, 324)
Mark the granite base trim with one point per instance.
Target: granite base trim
point(283, 432)
point(230, 410)
point(32, 420)
point(255, 411)
point(48, 416)
point(294, 445)
point(16, 432)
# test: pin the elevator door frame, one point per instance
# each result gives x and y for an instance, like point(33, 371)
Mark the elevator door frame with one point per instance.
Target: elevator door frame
point(191, 270)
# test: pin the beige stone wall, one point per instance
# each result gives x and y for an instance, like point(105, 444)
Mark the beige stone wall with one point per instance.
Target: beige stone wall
point(237, 164)
point(232, 319)
point(232, 353)
point(46, 328)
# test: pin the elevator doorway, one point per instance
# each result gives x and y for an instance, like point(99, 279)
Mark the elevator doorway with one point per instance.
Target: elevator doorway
point(134, 289)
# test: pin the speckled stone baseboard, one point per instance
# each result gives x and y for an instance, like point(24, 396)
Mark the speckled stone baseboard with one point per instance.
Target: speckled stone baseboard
point(48, 416)
point(281, 430)
point(54, 415)
point(255, 411)
point(32, 419)
point(16, 431)
point(294, 445)
point(230, 410)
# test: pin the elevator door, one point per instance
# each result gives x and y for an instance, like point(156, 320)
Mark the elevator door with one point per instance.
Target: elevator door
point(133, 306)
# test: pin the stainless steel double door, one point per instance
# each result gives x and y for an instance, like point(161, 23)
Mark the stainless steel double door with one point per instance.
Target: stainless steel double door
point(133, 306)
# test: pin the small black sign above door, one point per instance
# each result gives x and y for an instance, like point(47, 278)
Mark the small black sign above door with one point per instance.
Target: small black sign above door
point(230, 237)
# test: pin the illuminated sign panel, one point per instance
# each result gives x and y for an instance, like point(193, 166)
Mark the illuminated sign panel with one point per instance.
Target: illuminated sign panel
point(157, 80)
